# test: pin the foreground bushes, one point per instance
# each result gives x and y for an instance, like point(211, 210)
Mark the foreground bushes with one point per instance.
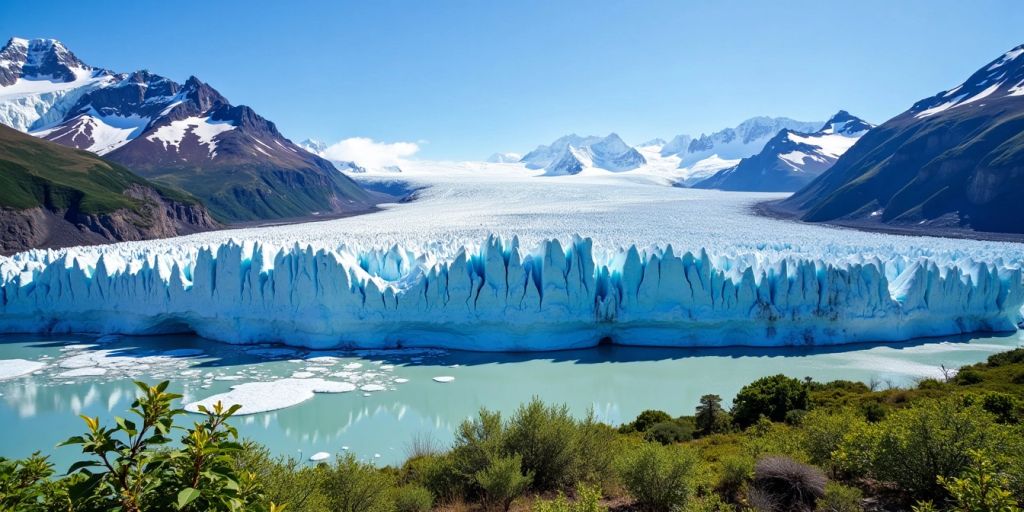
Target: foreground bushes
point(785, 445)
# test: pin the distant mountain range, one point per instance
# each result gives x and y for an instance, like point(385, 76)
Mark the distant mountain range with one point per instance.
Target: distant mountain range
point(573, 153)
point(55, 196)
point(186, 135)
point(791, 159)
point(953, 162)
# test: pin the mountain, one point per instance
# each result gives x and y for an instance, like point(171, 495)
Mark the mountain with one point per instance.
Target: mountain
point(572, 153)
point(54, 196)
point(746, 139)
point(319, 148)
point(952, 163)
point(791, 159)
point(504, 158)
point(186, 135)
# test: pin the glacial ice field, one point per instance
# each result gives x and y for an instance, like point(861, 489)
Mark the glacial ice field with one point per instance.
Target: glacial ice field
point(497, 257)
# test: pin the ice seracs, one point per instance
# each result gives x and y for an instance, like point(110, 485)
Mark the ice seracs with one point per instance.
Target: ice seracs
point(500, 296)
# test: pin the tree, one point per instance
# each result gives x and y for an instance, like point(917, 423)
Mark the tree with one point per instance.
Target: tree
point(503, 481)
point(771, 397)
point(711, 418)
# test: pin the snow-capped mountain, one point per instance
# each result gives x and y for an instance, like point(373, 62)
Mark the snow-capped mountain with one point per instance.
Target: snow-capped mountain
point(791, 159)
point(187, 135)
point(572, 153)
point(678, 144)
point(504, 158)
point(952, 162)
point(319, 148)
point(744, 140)
point(659, 142)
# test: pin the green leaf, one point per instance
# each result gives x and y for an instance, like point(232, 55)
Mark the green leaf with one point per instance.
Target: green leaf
point(82, 464)
point(186, 496)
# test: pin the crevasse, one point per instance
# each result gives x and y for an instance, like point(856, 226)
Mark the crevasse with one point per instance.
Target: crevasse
point(498, 296)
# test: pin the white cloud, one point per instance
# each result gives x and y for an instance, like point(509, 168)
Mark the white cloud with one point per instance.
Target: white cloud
point(367, 152)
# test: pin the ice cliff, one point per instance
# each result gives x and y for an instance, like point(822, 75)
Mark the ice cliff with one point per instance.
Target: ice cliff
point(500, 296)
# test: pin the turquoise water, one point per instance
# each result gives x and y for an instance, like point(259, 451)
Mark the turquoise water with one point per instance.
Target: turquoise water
point(41, 409)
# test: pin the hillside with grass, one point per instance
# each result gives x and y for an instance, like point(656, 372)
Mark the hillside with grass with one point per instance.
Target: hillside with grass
point(55, 196)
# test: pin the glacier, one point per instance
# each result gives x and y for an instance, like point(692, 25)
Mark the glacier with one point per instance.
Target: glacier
point(500, 295)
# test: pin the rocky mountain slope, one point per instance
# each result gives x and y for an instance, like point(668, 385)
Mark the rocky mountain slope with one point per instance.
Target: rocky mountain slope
point(187, 135)
point(54, 196)
point(952, 163)
point(791, 159)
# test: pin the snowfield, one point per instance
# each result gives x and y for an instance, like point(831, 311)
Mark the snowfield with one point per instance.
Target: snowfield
point(492, 257)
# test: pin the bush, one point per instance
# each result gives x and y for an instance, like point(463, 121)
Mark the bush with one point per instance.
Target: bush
point(503, 481)
point(840, 498)
point(771, 397)
point(823, 433)
point(413, 498)
point(283, 480)
point(353, 486)
point(588, 499)
point(983, 487)
point(660, 478)
point(1002, 405)
point(25, 485)
point(967, 377)
point(646, 420)
point(914, 447)
point(787, 485)
point(437, 473)
point(737, 471)
point(669, 432)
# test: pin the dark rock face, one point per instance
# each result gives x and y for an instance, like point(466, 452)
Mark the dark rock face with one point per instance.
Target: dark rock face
point(38, 58)
point(790, 160)
point(953, 162)
point(188, 136)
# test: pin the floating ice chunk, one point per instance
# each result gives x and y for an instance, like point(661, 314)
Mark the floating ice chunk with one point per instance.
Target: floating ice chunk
point(401, 380)
point(318, 456)
point(444, 378)
point(88, 371)
point(373, 387)
point(12, 368)
point(353, 366)
point(257, 397)
point(302, 375)
point(229, 377)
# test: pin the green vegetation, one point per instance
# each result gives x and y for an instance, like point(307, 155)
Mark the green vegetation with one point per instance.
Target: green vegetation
point(955, 445)
point(35, 172)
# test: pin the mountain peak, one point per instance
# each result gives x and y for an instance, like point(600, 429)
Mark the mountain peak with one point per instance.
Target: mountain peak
point(39, 59)
point(1001, 78)
point(845, 123)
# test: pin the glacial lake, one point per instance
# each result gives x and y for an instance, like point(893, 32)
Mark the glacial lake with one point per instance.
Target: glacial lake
point(403, 401)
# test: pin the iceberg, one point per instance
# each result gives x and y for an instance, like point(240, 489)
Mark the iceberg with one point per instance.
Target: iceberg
point(499, 296)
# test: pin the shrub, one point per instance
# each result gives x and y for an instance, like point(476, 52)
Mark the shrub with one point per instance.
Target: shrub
point(25, 485)
point(669, 432)
point(710, 417)
point(771, 397)
point(1015, 356)
point(873, 411)
point(503, 481)
point(438, 474)
point(1018, 378)
point(787, 484)
point(841, 498)
point(283, 480)
point(353, 486)
point(131, 469)
point(914, 447)
point(767, 438)
point(1002, 405)
point(646, 420)
point(967, 377)
point(660, 478)
point(545, 437)
point(981, 488)
point(823, 433)
point(737, 471)
point(413, 498)
point(588, 499)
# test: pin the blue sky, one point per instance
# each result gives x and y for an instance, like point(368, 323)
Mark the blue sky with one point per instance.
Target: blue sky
point(468, 78)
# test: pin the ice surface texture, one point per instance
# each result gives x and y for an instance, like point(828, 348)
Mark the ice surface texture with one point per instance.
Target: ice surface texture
point(499, 295)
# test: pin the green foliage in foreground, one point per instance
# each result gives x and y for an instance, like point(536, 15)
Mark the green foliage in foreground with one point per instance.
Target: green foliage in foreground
point(786, 444)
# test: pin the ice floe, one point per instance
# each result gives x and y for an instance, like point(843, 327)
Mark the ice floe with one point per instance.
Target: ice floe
point(257, 397)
